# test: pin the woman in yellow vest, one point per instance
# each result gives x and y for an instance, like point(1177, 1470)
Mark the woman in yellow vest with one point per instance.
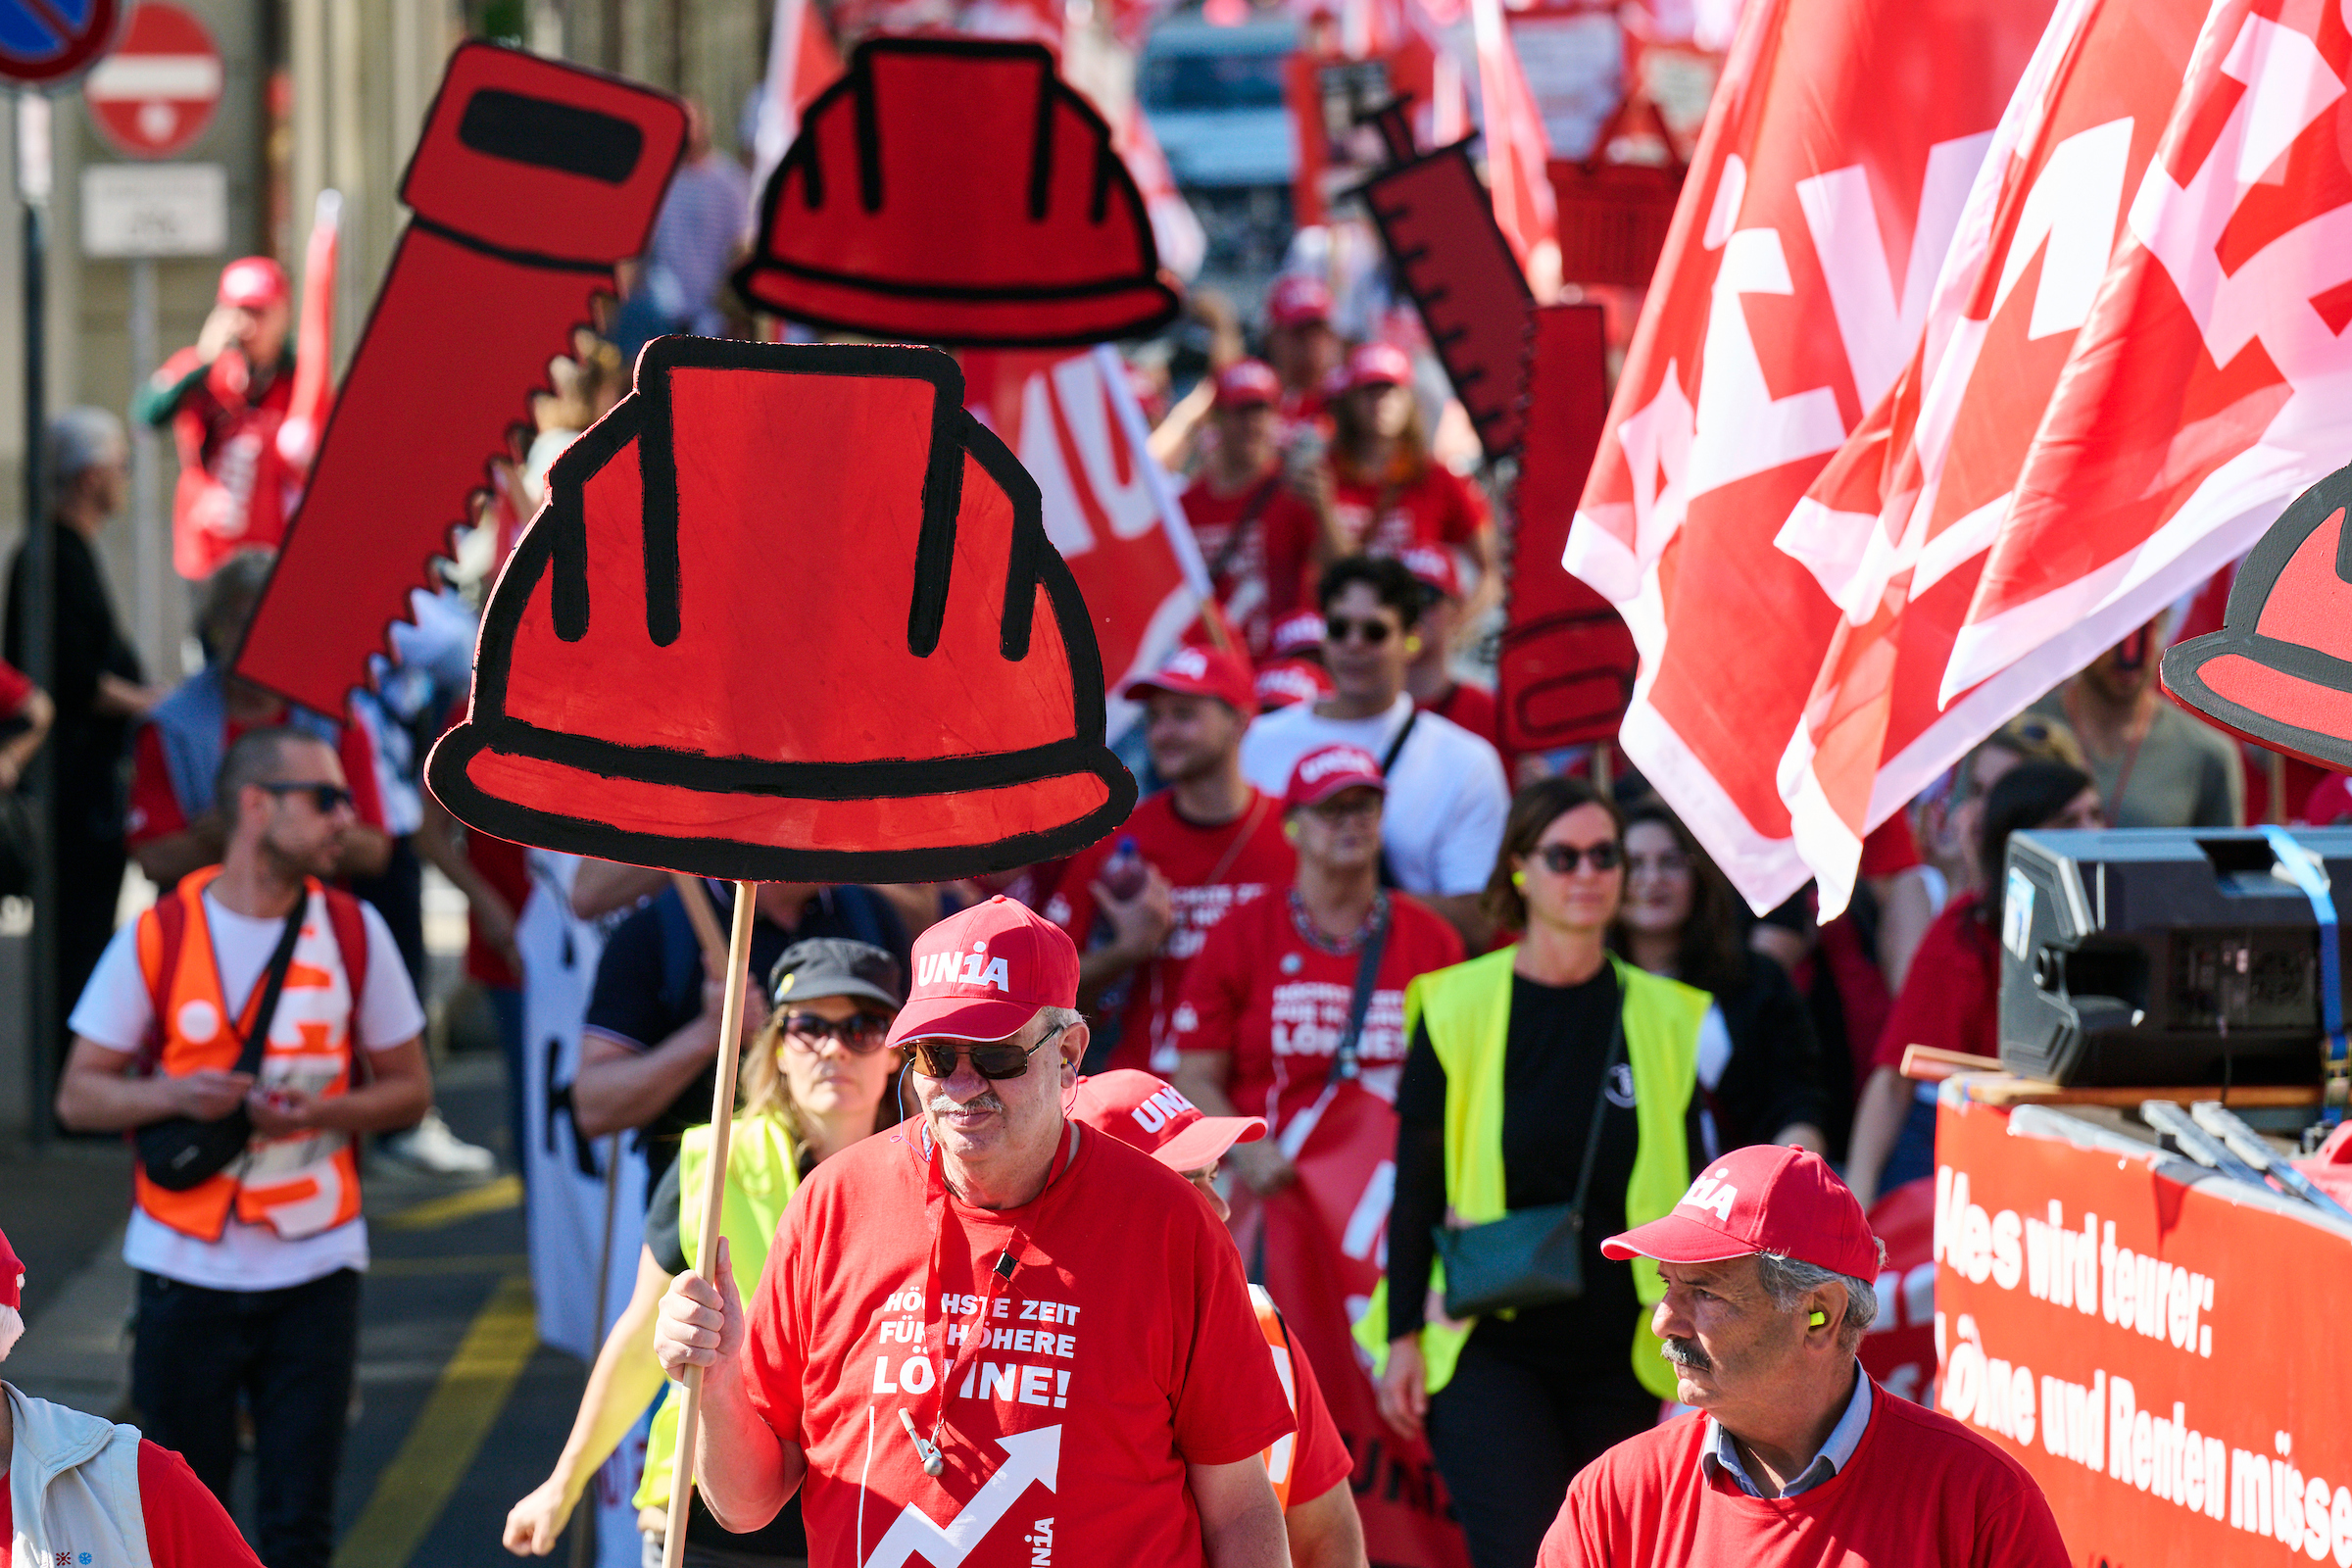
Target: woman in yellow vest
point(1538, 1075)
point(815, 1081)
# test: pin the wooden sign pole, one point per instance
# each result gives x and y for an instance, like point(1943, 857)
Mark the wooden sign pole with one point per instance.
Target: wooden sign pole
point(705, 1250)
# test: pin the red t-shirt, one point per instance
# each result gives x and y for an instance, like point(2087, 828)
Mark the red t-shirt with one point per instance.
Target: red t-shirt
point(1951, 998)
point(1472, 708)
point(1276, 1003)
point(1210, 870)
point(1123, 1347)
point(1237, 571)
point(1922, 1491)
point(186, 1526)
point(155, 809)
point(1321, 1460)
point(1437, 508)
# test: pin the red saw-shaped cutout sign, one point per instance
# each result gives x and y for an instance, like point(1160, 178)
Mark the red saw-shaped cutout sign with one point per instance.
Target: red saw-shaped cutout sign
point(955, 190)
point(789, 613)
point(2279, 670)
point(531, 179)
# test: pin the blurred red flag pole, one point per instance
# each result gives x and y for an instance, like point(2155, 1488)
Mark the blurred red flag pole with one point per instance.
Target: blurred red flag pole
point(314, 344)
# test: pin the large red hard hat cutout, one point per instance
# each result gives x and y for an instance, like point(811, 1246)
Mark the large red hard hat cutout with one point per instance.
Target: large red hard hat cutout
point(789, 613)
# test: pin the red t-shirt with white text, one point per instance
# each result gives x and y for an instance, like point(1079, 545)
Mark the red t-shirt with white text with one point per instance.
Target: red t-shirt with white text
point(186, 1526)
point(1921, 1490)
point(1211, 871)
point(1278, 1003)
point(1123, 1348)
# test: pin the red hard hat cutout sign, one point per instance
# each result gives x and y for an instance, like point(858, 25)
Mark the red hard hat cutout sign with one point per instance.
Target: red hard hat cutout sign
point(790, 612)
point(2279, 670)
point(155, 94)
point(956, 191)
point(531, 179)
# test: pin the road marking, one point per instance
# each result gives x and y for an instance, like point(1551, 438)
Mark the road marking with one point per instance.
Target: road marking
point(394, 1268)
point(448, 1432)
point(435, 1212)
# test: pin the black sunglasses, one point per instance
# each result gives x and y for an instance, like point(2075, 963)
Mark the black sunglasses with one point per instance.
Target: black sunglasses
point(326, 797)
point(1375, 632)
point(996, 1059)
point(1562, 858)
point(861, 1034)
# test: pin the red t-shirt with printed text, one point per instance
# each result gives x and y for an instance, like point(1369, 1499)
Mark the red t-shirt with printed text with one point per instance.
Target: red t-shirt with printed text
point(186, 1526)
point(1278, 1003)
point(1921, 1490)
point(1123, 1348)
point(1437, 508)
point(1211, 871)
point(156, 810)
point(1240, 583)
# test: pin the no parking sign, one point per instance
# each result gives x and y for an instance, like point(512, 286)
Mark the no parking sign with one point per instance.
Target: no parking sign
point(47, 42)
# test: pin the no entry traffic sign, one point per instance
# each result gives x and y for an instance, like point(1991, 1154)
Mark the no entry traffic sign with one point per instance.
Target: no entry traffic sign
point(155, 94)
point(45, 42)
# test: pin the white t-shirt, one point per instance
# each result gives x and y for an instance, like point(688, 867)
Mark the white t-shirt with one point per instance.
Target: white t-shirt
point(115, 1012)
point(1448, 797)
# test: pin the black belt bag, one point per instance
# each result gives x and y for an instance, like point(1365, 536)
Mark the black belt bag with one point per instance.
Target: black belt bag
point(181, 1153)
point(1531, 1256)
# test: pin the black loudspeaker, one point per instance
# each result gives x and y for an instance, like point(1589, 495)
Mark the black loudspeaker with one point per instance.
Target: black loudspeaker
point(2157, 957)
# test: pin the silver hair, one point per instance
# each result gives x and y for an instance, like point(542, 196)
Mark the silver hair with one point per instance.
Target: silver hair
point(80, 439)
point(1052, 1018)
point(1788, 1281)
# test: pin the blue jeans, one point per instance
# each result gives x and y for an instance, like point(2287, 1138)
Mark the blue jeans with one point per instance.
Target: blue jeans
point(291, 1353)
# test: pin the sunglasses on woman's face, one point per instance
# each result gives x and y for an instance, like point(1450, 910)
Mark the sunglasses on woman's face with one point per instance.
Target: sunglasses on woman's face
point(1562, 860)
point(861, 1034)
point(995, 1059)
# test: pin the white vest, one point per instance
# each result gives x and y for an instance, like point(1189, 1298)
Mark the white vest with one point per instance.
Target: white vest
point(74, 1486)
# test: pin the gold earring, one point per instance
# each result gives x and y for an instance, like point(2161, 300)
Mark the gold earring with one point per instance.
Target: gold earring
point(1413, 645)
point(1290, 831)
point(1519, 879)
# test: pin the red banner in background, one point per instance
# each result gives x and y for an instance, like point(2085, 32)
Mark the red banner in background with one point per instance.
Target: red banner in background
point(2157, 1353)
point(1110, 507)
point(1900, 1350)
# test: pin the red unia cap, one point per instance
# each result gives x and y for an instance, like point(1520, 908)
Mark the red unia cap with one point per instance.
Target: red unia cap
point(1328, 770)
point(252, 282)
point(1297, 300)
point(1149, 1112)
point(1379, 364)
point(1194, 671)
point(1247, 383)
point(1762, 1199)
point(982, 974)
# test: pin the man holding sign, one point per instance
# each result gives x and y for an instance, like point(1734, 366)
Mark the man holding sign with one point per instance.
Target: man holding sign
point(991, 1336)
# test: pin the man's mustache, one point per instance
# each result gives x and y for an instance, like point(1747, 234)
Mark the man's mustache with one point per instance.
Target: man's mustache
point(1686, 1352)
point(944, 1104)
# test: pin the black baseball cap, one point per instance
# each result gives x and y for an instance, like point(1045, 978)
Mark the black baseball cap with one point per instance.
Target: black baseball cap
point(836, 967)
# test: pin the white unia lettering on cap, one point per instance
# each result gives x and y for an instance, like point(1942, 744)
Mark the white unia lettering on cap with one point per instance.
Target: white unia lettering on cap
point(1337, 761)
point(1163, 1107)
point(1715, 1197)
point(1188, 662)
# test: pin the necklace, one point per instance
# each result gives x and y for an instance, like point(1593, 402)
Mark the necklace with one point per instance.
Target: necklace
point(1312, 934)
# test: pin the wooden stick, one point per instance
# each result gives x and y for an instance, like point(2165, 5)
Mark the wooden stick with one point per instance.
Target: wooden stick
point(705, 1250)
point(1932, 1064)
point(698, 914)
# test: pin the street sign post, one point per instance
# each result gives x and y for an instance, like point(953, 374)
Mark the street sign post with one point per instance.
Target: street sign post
point(156, 93)
point(46, 43)
point(146, 210)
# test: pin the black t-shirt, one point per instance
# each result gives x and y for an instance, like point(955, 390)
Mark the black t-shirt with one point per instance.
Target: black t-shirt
point(649, 984)
point(88, 747)
point(1557, 1041)
point(1775, 1073)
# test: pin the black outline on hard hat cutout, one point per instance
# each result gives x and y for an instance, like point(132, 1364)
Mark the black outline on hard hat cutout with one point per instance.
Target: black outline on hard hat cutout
point(2184, 667)
point(554, 544)
point(1112, 176)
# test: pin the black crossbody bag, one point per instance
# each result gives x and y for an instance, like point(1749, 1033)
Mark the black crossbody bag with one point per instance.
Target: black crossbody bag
point(180, 1152)
point(1531, 1256)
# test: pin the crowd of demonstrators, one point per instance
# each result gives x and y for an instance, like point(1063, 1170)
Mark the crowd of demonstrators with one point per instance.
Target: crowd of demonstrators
point(1447, 792)
point(915, 1254)
point(1240, 474)
point(649, 1055)
point(1545, 1075)
point(1303, 346)
point(1760, 1080)
point(1952, 998)
point(98, 687)
point(225, 398)
point(1304, 988)
point(257, 1003)
point(97, 1487)
point(1195, 851)
point(816, 1080)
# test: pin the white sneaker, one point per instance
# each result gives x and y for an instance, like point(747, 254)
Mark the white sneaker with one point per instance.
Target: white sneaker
point(430, 1146)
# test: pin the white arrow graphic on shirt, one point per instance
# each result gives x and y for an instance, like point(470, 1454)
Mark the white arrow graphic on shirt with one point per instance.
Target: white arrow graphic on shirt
point(1029, 1456)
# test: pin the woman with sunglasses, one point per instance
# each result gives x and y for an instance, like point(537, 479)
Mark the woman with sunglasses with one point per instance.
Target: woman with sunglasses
point(1546, 1075)
point(816, 1080)
point(1760, 1077)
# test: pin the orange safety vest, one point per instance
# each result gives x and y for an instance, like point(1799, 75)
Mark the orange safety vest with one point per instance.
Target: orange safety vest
point(298, 1186)
point(1282, 1459)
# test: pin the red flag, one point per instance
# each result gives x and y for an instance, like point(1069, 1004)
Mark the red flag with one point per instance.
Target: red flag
point(1794, 287)
point(2210, 385)
point(1896, 527)
point(1518, 153)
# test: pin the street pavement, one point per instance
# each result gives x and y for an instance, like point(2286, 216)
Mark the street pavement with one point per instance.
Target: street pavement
point(461, 1411)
